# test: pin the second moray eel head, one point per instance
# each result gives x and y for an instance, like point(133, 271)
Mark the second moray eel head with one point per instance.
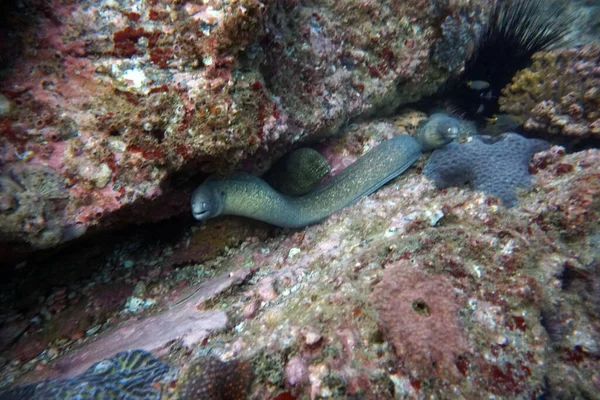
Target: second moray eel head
point(437, 131)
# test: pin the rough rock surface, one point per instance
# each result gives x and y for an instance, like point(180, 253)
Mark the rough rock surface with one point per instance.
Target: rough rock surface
point(211, 378)
point(512, 290)
point(116, 104)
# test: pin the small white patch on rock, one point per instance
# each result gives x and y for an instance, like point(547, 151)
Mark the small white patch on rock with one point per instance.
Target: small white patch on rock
point(316, 374)
point(5, 106)
point(294, 251)
point(312, 337)
point(136, 76)
point(136, 304)
point(508, 248)
point(93, 330)
point(98, 175)
point(434, 216)
point(402, 387)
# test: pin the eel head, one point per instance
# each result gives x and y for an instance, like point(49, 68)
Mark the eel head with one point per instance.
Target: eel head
point(207, 202)
point(449, 129)
point(437, 131)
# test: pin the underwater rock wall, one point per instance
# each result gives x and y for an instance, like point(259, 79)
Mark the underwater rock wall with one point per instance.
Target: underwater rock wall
point(114, 105)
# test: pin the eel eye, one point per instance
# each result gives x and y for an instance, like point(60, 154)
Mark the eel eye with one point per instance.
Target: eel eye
point(453, 131)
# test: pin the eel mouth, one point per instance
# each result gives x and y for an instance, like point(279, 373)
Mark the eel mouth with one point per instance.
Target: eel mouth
point(201, 210)
point(201, 214)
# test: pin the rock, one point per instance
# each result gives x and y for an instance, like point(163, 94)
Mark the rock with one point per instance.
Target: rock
point(114, 110)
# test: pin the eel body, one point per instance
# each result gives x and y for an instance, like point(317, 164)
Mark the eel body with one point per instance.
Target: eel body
point(298, 172)
point(249, 196)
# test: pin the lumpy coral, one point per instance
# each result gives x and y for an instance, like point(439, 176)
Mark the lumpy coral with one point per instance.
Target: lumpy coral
point(497, 166)
point(418, 314)
point(211, 378)
point(128, 375)
point(559, 93)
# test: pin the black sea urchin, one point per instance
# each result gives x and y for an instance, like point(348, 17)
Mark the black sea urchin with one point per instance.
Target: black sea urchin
point(516, 29)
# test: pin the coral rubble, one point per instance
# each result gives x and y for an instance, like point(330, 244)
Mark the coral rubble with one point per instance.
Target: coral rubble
point(559, 94)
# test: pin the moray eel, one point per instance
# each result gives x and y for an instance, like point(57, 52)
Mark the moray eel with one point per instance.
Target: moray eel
point(249, 196)
point(297, 172)
point(438, 130)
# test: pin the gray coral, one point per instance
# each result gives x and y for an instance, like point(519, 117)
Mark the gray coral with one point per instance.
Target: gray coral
point(495, 165)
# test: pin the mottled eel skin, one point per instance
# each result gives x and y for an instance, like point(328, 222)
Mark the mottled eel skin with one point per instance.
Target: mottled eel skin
point(249, 196)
